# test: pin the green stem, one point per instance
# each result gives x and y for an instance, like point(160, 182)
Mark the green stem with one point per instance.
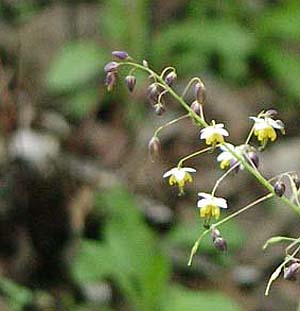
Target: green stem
point(170, 123)
point(193, 155)
point(226, 219)
point(167, 69)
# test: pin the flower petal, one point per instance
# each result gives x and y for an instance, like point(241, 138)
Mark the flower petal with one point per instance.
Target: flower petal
point(168, 173)
point(221, 202)
point(189, 169)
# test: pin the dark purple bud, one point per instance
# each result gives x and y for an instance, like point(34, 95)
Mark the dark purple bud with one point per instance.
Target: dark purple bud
point(120, 54)
point(296, 181)
point(200, 92)
point(279, 188)
point(195, 106)
point(110, 80)
point(215, 233)
point(159, 109)
point(290, 273)
point(154, 148)
point(253, 158)
point(153, 92)
point(111, 66)
point(170, 78)
point(271, 113)
point(130, 82)
point(220, 244)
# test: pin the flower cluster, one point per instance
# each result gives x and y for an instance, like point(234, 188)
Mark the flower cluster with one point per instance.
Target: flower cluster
point(231, 158)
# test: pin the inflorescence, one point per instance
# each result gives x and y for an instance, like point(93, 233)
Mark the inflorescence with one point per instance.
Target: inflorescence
point(232, 158)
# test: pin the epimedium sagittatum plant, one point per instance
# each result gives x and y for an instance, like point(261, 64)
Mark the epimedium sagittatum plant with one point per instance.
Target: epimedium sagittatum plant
point(232, 158)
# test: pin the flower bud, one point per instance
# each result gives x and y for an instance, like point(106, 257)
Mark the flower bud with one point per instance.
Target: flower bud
point(195, 106)
point(110, 80)
point(159, 109)
point(170, 78)
point(145, 63)
point(253, 158)
point(153, 92)
point(271, 113)
point(215, 233)
point(154, 148)
point(279, 188)
point(111, 66)
point(220, 244)
point(296, 181)
point(120, 54)
point(290, 273)
point(200, 92)
point(130, 82)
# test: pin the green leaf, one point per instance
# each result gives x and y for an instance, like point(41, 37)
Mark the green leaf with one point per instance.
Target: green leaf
point(180, 299)
point(74, 65)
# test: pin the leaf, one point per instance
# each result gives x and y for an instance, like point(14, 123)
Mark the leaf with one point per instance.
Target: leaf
point(76, 64)
point(180, 299)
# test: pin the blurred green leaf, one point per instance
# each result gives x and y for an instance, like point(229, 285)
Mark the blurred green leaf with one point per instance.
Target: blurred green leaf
point(74, 65)
point(18, 296)
point(180, 299)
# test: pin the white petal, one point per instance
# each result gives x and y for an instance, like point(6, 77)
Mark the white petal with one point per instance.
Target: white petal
point(222, 132)
point(203, 202)
point(276, 124)
point(219, 125)
point(221, 202)
point(224, 156)
point(189, 169)
point(179, 173)
point(168, 173)
point(255, 119)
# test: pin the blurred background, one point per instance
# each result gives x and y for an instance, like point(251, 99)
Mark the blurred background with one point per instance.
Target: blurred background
point(86, 220)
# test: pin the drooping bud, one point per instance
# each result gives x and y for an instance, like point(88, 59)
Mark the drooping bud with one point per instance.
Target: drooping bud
point(215, 233)
point(200, 92)
point(170, 78)
point(290, 273)
point(195, 106)
point(279, 188)
point(120, 54)
point(110, 80)
point(154, 148)
point(296, 181)
point(253, 158)
point(153, 92)
point(271, 113)
point(220, 244)
point(111, 66)
point(130, 82)
point(159, 109)
point(145, 63)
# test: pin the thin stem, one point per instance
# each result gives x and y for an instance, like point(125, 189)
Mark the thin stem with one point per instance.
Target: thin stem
point(170, 123)
point(249, 135)
point(223, 177)
point(226, 219)
point(195, 79)
point(161, 95)
point(194, 154)
point(167, 69)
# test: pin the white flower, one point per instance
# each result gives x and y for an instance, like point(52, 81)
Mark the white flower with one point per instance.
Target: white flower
point(214, 134)
point(264, 128)
point(179, 176)
point(210, 205)
point(226, 158)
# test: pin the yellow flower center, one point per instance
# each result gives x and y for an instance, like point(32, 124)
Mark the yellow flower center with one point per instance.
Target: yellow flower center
point(214, 139)
point(210, 211)
point(181, 182)
point(224, 164)
point(266, 133)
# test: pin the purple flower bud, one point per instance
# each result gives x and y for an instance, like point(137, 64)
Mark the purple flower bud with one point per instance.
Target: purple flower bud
point(195, 106)
point(170, 78)
point(296, 181)
point(253, 158)
point(159, 109)
point(200, 92)
point(215, 233)
point(153, 92)
point(154, 148)
point(130, 82)
point(110, 80)
point(111, 66)
point(271, 113)
point(279, 188)
point(220, 244)
point(120, 54)
point(290, 273)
